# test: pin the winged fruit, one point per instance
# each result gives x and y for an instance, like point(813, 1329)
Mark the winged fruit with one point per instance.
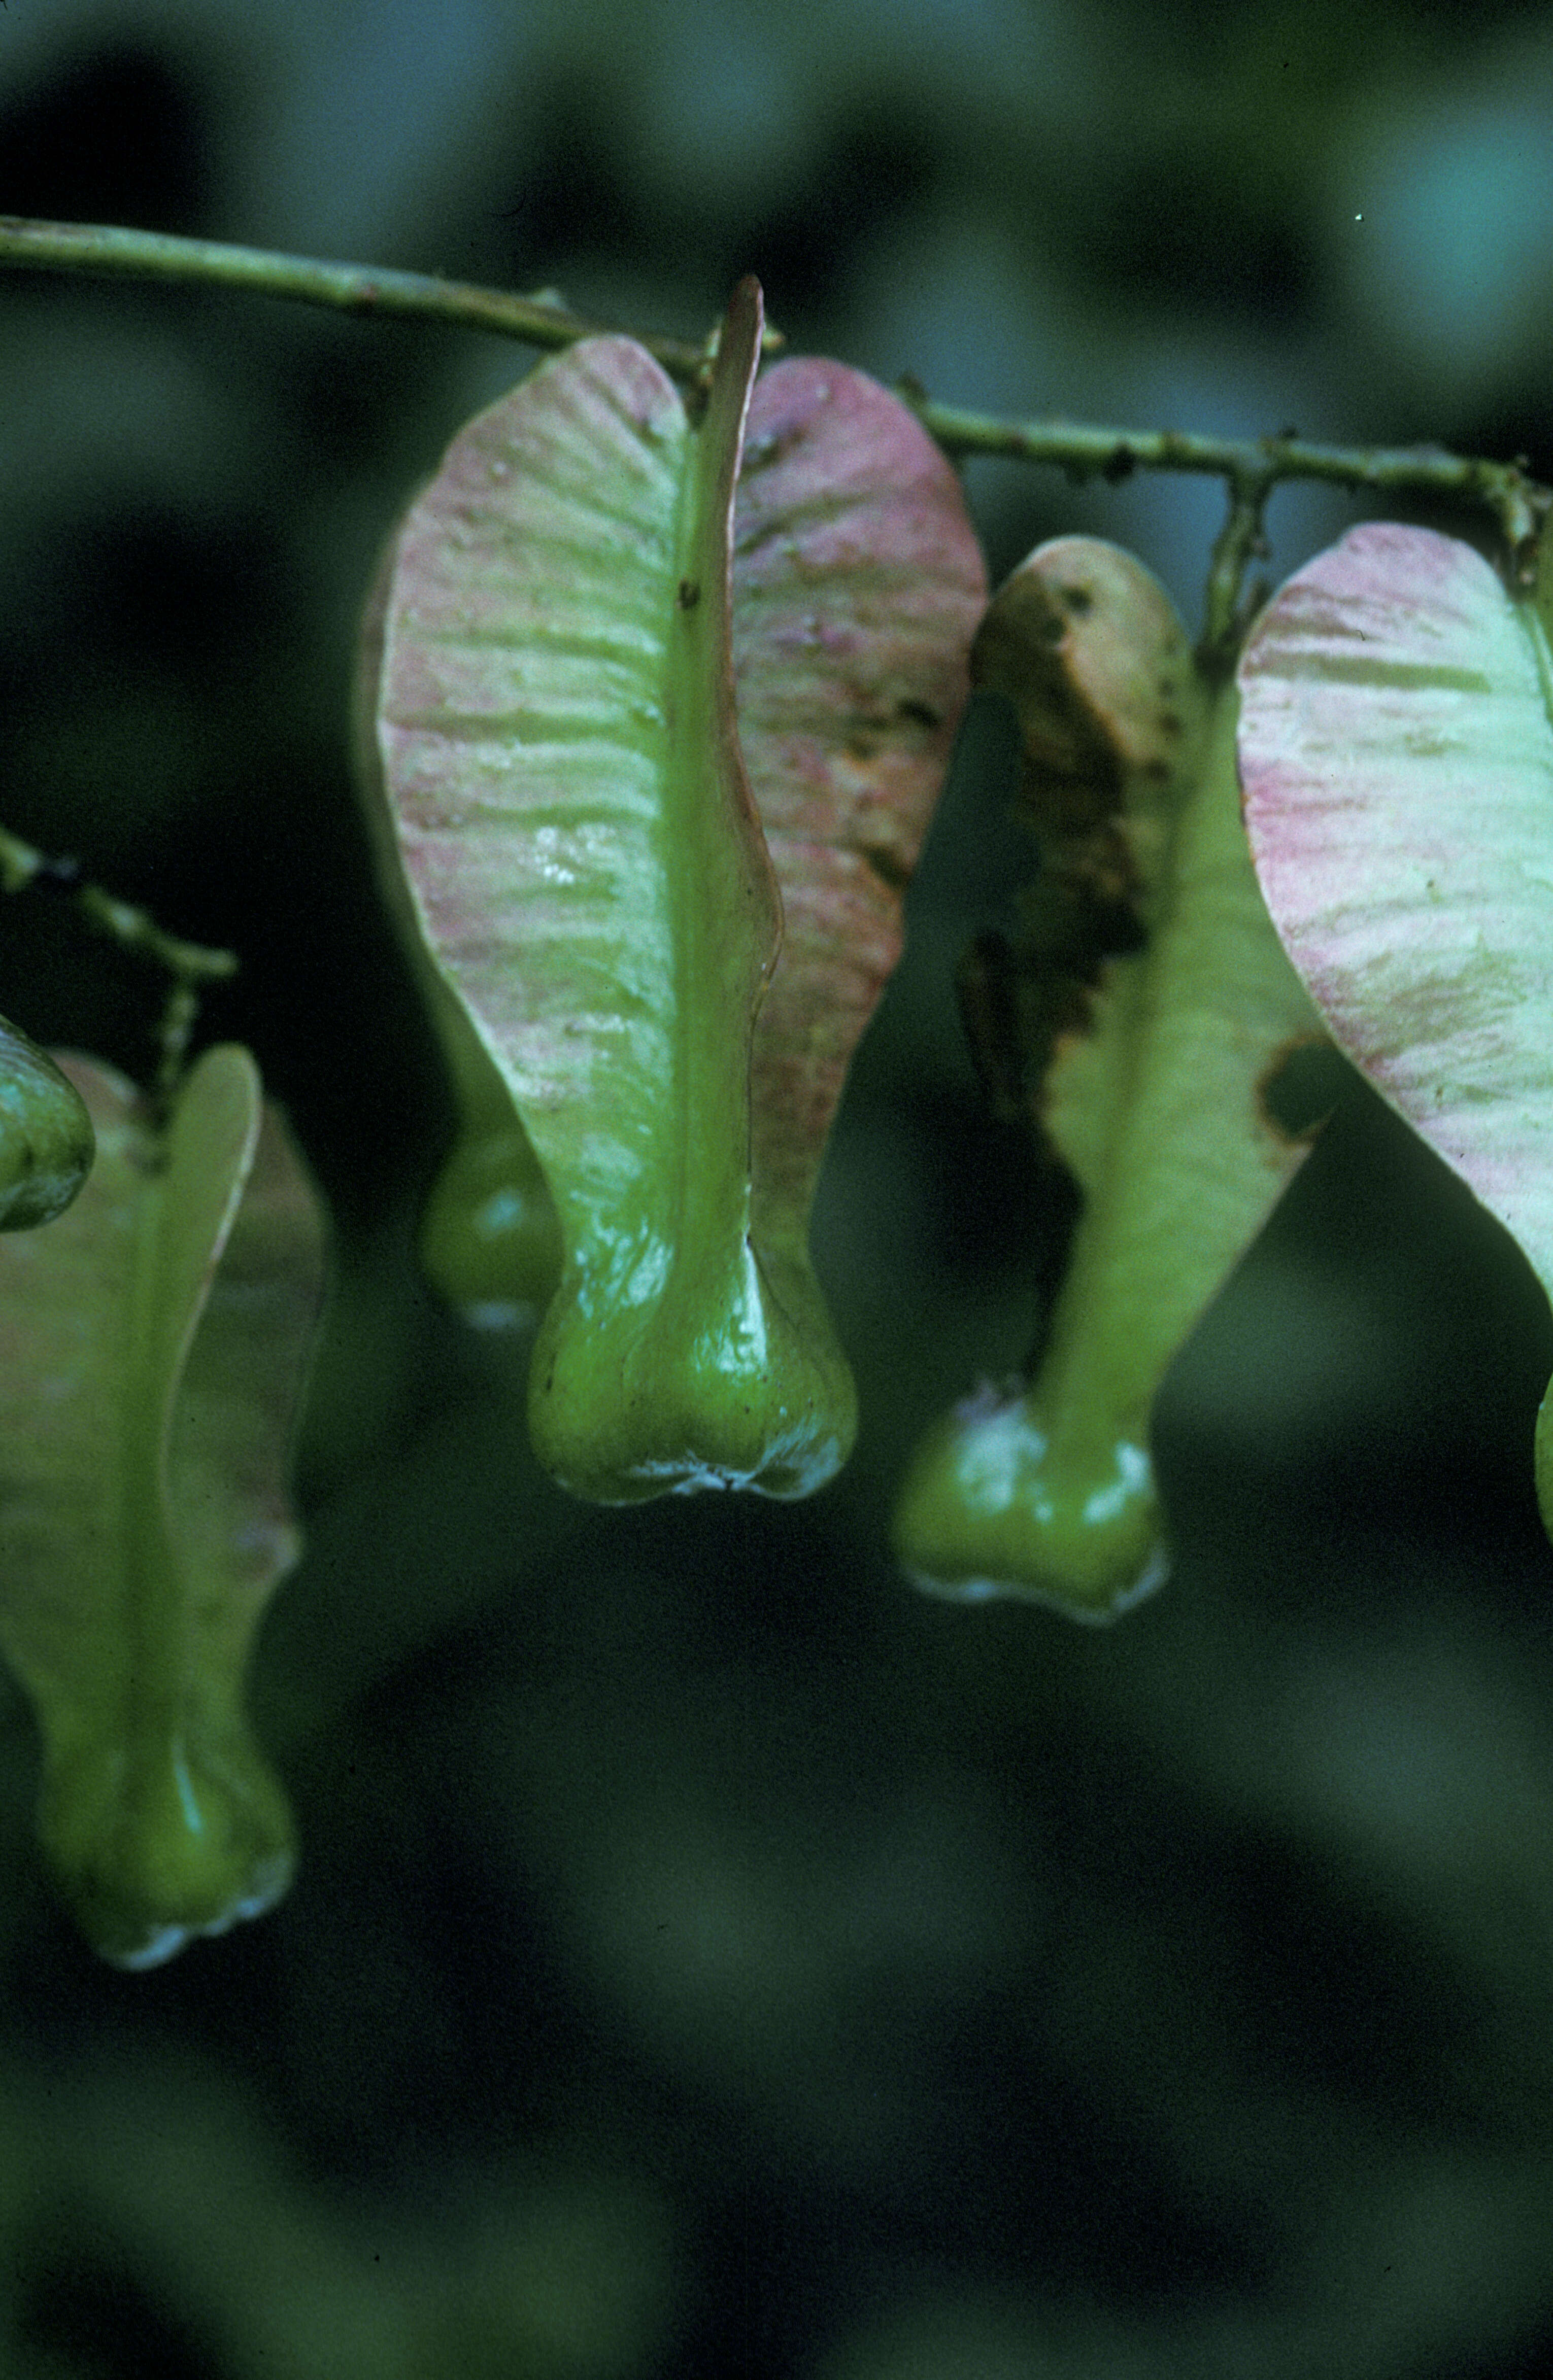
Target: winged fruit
point(1154, 1005)
point(154, 1343)
point(621, 727)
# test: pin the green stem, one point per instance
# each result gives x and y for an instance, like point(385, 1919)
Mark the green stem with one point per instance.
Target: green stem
point(136, 930)
point(190, 963)
point(1518, 502)
point(1521, 505)
point(132, 929)
point(349, 288)
point(1238, 542)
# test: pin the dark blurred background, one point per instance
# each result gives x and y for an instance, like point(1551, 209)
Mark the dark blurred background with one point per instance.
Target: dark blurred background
point(709, 1957)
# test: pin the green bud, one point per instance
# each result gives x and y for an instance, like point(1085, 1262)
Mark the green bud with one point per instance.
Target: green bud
point(46, 1143)
point(490, 1239)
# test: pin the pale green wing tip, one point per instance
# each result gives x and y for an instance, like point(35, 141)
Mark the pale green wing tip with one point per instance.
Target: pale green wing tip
point(147, 1868)
point(987, 1511)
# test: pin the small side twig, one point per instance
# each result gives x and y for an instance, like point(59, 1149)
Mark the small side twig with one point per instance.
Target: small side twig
point(1519, 503)
point(191, 965)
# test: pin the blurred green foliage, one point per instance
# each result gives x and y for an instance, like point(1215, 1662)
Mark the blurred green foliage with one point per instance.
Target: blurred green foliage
point(707, 1956)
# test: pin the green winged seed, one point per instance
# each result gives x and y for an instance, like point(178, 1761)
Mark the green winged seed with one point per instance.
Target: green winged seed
point(489, 1240)
point(152, 1349)
point(45, 1135)
point(558, 744)
point(1155, 1064)
point(595, 855)
point(857, 583)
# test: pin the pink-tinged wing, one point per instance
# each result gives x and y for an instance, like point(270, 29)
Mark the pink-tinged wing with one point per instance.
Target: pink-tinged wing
point(857, 587)
point(1396, 754)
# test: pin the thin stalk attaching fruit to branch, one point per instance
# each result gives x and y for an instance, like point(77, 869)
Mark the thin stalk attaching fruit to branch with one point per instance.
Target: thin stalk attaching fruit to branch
point(190, 964)
point(1227, 611)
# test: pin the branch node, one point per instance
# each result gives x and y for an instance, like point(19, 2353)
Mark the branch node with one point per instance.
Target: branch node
point(189, 964)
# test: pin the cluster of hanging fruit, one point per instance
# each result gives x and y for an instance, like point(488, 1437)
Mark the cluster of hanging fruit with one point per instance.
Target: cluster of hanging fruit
point(656, 700)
